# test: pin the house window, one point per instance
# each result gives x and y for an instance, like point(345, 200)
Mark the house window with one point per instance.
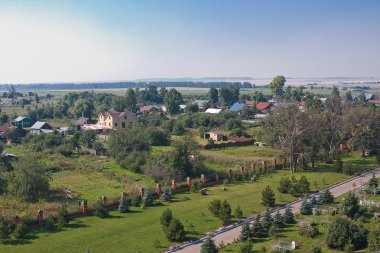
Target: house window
point(109, 124)
point(115, 124)
point(123, 124)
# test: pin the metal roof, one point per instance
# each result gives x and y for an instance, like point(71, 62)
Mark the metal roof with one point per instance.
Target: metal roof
point(38, 125)
point(237, 107)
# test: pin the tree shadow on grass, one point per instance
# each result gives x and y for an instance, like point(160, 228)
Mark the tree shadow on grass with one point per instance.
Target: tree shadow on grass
point(23, 241)
point(77, 224)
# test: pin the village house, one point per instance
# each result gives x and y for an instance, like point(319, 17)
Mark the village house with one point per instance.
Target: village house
point(41, 127)
point(249, 103)
point(214, 135)
point(263, 107)
point(237, 107)
point(148, 109)
point(213, 110)
point(201, 103)
point(80, 122)
point(21, 121)
point(116, 120)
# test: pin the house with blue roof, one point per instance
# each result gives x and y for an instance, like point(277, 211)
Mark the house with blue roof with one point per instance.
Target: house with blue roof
point(237, 107)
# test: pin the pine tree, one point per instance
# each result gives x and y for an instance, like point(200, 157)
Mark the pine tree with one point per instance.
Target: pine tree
point(166, 194)
point(123, 206)
point(326, 198)
point(238, 212)
point(257, 228)
point(288, 216)
point(306, 207)
point(209, 246)
point(266, 220)
point(304, 185)
point(245, 233)
point(278, 220)
point(166, 217)
point(268, 197)
point(373, 182)
point(313, 201)
point(148, 198)
point(100, 209)
point(225, 211)
point(214, 206)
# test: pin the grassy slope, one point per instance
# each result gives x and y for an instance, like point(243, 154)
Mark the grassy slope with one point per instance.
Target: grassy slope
point(138, 230)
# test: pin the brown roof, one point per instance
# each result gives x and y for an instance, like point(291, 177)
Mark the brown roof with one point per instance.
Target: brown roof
point(147, 108)
point(129, 116)
point(80, 121)
point(5, 128)
point(249, 103)
point(374, 102)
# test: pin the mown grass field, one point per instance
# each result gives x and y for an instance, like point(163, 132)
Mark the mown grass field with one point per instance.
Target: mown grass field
point(139, 230)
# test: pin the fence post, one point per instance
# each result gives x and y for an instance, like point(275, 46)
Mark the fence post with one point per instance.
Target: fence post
point(174, 186)
point(40, 217)
point(188, 182)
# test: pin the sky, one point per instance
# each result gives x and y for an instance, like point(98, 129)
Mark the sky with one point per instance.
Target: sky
point(83, 40)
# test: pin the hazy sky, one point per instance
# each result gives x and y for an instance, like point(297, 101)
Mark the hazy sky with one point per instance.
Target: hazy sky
point(61, 41)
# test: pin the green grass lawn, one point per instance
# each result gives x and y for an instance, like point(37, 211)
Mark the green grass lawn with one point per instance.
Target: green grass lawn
point(137, 231)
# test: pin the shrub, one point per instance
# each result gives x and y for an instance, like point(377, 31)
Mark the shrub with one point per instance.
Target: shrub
point(349, 205)
point(175, 231)
point(21, 230)
point(374, 240)
point(49, 223)
point(309, 230)
point(5, 229)
point(100, 209)
point(343, 231)
point(316, 249)
point(338, 165)
point(166, 218)
point(245, 248)
point(63, 217)
point(136, 200)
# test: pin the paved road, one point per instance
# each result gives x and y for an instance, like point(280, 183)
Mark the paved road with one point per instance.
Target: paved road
point(337, 190)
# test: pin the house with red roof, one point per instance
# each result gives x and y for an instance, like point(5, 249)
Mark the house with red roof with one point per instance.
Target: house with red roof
point(263, 107)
